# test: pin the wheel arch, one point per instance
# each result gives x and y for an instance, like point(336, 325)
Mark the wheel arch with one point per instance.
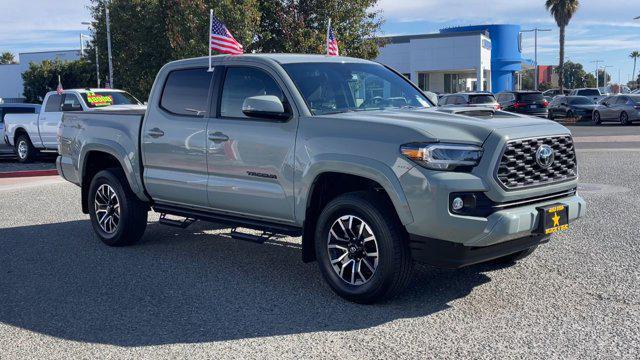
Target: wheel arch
point(350, 176)
point(97, 157)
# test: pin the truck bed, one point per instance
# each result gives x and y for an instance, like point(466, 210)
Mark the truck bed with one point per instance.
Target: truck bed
point(115, 131)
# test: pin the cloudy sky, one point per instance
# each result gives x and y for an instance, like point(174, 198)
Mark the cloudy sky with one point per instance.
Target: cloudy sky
point(601, 30)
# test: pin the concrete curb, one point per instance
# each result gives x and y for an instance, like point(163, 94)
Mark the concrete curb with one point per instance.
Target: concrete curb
point(28, 173)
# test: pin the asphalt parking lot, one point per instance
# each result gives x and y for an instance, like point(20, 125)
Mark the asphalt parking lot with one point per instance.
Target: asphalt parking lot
point(197, 293)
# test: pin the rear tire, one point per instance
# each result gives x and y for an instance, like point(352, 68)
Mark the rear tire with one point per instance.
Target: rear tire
point(366, 224)
point(24, 149)
point(624, 119)
point(596, 118)
point(512, 258)
point(118, 217)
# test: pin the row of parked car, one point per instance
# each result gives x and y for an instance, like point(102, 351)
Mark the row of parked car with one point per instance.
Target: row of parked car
point(584, 104)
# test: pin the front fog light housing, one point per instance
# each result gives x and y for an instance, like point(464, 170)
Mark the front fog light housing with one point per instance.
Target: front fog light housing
point(457, 204)
point(440, 156)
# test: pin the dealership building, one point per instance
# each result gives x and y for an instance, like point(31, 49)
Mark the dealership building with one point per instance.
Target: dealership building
point(468, 58)
point(11, 84)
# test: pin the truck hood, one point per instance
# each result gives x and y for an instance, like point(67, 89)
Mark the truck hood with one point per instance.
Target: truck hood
point(447, 127)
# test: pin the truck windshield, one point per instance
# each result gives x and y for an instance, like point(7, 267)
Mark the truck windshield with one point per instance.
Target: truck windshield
point(108, 98)
point(330, 88)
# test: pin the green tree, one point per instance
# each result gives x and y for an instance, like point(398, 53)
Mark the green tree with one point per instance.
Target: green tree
point(43, 77)
point(562, 11)
point(634, 55)
point(575, 76)
point(146, 34)
point(300, 26)
point(7, 58)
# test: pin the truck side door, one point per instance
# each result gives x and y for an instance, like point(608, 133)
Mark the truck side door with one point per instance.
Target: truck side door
point(49, 120)
point(251, 160)
point(174, 139)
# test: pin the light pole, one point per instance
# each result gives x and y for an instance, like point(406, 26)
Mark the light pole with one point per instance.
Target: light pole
point(111, 82)
point(95, 44)
point(535, 36)
point(597, 68)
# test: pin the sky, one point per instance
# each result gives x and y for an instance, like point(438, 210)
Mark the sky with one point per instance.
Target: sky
point(601, 29)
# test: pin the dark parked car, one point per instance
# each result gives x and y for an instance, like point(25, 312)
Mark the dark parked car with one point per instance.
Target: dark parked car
point(622, 108)
point(523, 102)
point(571, 106)
point(472, 99)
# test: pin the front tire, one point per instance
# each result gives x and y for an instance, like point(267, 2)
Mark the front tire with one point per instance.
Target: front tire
point(118, 217)
point(362, 249)
point(24, 149)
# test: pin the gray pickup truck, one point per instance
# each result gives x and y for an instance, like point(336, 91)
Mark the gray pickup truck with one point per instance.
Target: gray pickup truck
point(344, 152)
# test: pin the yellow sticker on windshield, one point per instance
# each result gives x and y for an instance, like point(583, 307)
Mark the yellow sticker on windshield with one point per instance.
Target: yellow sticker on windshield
point(99, 100)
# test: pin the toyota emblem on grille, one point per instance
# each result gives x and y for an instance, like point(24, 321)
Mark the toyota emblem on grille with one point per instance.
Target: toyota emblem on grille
point(545, 156)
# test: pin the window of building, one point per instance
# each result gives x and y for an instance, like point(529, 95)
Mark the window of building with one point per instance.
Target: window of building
point(423, 81)
point(241, 83)
point(186, 92)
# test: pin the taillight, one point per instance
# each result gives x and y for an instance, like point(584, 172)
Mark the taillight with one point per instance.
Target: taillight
point(497, 106)
point(545, 103)
point(518, 105)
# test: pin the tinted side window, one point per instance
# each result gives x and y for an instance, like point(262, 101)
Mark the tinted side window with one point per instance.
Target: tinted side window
point(241, 83)
point(186, 92)
point(53, 103)
point(71, 99)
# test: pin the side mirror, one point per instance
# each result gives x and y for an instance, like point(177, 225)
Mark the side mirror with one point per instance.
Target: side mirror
point(265, 107)
point(70, 107)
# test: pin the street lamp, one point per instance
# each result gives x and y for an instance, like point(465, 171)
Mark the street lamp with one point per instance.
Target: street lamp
point(95, 44)
point(597, 68)
point(535, 32)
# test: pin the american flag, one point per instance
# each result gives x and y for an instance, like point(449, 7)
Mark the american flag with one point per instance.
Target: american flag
point(59, 88)
point(332, 43)
point(221, 39)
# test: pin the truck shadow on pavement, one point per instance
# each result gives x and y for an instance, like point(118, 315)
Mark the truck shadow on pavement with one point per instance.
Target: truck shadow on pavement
point(187, 286)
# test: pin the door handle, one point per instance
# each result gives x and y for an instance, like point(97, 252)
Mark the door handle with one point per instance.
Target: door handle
point(218, 137)
point(155, 133)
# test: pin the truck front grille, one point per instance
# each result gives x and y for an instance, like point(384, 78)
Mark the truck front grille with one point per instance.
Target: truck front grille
point(519, 169)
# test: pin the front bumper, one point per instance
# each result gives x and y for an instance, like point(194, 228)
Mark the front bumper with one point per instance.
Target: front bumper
point(450, 255)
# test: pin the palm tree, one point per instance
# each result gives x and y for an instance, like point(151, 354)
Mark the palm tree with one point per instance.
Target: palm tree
point(634, 55)
point(562, 11)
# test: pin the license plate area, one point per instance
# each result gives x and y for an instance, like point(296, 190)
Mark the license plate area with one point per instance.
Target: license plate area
point(553, 218)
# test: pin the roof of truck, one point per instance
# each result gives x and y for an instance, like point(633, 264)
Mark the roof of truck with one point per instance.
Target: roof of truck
point(279, 58)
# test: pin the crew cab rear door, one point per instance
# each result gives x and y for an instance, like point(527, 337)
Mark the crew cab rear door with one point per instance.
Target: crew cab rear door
point(49, 120)
point(250, 160)
point(174, 139)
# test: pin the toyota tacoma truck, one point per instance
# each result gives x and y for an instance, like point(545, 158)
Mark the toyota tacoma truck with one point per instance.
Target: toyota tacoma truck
point(28, 133)
point(346, 153)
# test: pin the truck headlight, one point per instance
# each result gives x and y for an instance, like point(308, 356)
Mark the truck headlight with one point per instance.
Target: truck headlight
point(440, 156)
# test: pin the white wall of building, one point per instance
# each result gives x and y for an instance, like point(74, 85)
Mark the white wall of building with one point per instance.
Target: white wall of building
point(439, 54)
point(11, 85)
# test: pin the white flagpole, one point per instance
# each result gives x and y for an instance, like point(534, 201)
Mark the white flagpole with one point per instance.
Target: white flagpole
point(327, 41)
point(209, 36)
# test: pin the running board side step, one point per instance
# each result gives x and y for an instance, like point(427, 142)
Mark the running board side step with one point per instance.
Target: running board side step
point(183, 224)
point(258, 239)
point(231, 220)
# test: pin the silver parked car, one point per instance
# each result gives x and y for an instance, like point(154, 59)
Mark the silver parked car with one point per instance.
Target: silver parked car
point(472, 99)
point(622, 108)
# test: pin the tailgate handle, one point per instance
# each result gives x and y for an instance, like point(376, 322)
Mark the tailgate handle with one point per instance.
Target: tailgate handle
point(218, 137)
point(155, 133)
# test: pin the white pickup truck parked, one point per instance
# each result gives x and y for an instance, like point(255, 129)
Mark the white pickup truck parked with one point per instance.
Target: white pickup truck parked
point(30, 133)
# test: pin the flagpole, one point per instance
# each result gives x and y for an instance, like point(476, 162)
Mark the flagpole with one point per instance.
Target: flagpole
point(209, 36)
point(327, 40)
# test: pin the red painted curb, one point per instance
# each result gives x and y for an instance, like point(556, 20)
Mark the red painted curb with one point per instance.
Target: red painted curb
point(28, 173)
